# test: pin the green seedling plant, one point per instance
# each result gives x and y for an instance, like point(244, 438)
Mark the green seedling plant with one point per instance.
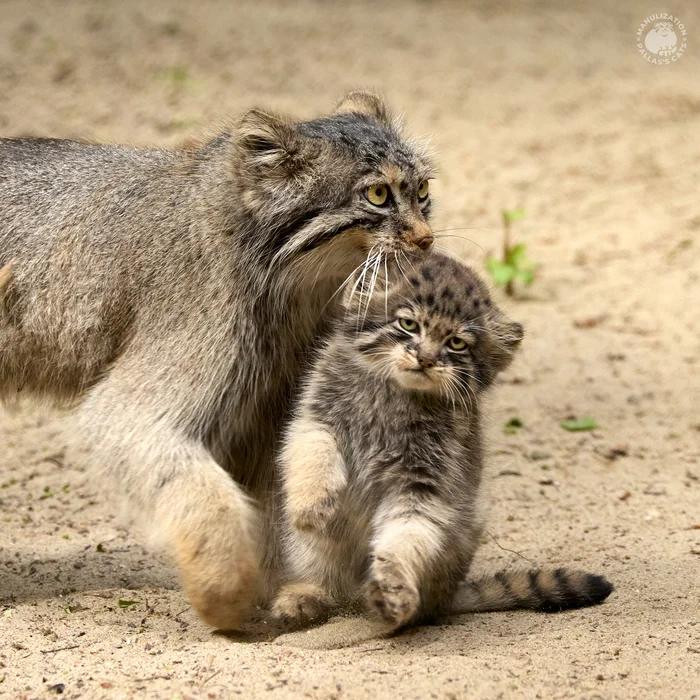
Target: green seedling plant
point(577, 425)
point(514, 264)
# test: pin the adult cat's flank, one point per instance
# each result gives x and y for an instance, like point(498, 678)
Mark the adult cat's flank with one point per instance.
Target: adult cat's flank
point(383, 462)
point(174, 296)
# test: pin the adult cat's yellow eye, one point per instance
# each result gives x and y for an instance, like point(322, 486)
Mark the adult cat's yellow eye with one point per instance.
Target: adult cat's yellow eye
point(377, 195)
point(408, 325)
point(457, 343)
point(423, 189)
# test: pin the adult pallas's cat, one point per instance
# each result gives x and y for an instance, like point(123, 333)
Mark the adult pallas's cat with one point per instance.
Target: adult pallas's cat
point(173, 295)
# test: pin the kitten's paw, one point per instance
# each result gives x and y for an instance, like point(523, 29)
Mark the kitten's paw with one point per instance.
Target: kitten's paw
point(302, 602)
point(391, 594)
point(316, 517)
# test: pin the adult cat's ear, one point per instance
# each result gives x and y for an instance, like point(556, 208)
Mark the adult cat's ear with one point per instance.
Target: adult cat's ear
point(363, 102)
point(270, 142)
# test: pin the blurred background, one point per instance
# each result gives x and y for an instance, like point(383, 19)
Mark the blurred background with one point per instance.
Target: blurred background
point(545, 109)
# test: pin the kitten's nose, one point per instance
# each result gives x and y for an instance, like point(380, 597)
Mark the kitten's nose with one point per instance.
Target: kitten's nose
point(426, 362)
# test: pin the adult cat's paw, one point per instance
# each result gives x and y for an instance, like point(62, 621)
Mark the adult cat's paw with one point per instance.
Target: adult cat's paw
point(302, 602)
point(391, 594)
point(219, 582)
point(316, 517)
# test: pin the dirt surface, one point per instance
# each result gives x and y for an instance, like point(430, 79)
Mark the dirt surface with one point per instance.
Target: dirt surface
point(530, 105)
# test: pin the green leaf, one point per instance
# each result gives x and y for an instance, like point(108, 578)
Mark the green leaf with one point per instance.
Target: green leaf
point(100, 547)
point(527, 276)
point(501, 273)
point(127, 603)
point(511, 215)
point(579, 424)
point(511, 427)
point(516, 255)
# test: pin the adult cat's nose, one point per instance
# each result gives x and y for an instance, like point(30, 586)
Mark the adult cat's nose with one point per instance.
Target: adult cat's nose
point(426, 362)
point(425, 242)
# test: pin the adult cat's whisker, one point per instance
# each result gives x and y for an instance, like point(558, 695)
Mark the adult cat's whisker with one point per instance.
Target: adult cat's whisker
point(386, 289)
point(464, 228)
point(408, 260)
point(348, 279)
point(360, 278)
point(373, 283)
point(398, 265)
point(360, 284)
point(452, 235)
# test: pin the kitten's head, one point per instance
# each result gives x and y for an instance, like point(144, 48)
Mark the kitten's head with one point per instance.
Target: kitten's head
point(349, 176)
point(434, 328)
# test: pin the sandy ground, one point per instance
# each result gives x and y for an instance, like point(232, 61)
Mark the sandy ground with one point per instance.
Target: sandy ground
point(542, 105)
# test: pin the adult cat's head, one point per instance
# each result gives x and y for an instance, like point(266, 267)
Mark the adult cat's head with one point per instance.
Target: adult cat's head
point(348, 182)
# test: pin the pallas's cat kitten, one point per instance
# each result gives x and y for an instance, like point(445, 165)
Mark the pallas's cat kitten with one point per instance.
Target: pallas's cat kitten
point(383, 461)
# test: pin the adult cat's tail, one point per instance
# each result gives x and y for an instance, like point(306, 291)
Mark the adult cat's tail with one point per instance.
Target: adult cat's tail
point(546, 590)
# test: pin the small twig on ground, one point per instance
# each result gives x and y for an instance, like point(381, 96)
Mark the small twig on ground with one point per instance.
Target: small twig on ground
point(53, 651)
point(209, 677)
point(512, 551)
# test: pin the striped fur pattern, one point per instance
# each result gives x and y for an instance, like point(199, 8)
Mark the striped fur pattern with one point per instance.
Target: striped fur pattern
point(383, 462)
point(546, 590)
point(174, 297)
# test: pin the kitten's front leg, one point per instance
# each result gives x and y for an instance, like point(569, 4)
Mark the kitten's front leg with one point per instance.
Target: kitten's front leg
point(314, 475)
point(405, 545)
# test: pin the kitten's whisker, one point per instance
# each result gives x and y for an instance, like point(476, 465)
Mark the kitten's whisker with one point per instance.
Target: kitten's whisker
point(462, 394)
point(449, 394)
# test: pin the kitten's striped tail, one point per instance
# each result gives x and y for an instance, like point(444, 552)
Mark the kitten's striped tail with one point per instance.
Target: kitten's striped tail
point(546, 590)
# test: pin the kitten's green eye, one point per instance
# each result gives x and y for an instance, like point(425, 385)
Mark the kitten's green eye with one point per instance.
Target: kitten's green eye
point(377, 195)
point(423, 189)
point(456, 343)
point(408, 325)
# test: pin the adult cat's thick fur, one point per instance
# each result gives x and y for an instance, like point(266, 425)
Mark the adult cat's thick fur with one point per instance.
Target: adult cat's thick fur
point(383, 462)
point(174, 294)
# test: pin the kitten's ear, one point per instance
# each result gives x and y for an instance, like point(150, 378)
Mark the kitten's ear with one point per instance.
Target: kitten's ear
point(508, 336)
point(269, 141)
point(363, 102)
point(512, 334)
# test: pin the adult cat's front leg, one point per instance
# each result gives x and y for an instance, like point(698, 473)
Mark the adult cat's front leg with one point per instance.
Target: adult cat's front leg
point(187, 500)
